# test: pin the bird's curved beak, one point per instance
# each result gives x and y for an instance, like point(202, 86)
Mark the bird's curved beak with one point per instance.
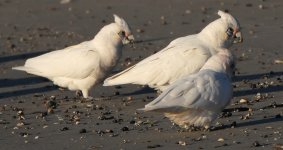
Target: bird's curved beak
point(128, 39)
point(238, 37)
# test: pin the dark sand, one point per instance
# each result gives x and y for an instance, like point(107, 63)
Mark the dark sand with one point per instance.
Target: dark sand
point(32, 27)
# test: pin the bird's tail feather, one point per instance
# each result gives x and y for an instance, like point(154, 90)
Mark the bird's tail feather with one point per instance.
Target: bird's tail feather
point(28, 70)
point(118, 79)
point(157, 105)
point(147, 108)
point(21, 68)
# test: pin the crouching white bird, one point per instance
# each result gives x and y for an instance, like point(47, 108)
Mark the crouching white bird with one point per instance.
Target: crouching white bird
point(82, 66)
point(197, 99)
point(183, 56)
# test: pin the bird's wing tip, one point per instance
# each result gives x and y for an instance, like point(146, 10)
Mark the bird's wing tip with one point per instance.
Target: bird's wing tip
point(106, 83)
point(18, 68)
point(141, 109)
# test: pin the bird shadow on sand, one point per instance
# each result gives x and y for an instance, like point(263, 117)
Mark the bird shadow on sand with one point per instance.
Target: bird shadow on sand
point(5, 83)
point(260, 90)
point(256, 76)
point(250, 123)
point(144, 90)
point(254, 122)
point(27, 91)
point(20, 56)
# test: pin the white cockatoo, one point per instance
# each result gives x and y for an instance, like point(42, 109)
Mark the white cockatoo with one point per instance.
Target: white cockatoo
point(197, 99)
point(81, 66)
point(183, 56)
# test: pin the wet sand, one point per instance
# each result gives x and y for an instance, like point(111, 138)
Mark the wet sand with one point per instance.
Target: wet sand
point(32, 27)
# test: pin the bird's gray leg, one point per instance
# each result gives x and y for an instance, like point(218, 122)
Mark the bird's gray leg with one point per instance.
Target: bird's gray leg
point(158, 92)
point(85, 95)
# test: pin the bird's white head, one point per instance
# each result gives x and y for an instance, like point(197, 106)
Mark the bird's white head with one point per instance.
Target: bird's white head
point(119, 32)
point(224, 31)
point(124, 30)
point(223, 62)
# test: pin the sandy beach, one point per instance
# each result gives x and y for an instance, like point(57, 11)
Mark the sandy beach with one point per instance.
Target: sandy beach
point(35, 114)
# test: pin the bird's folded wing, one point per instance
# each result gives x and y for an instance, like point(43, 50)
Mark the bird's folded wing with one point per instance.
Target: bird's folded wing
point(162, 67)
point(74, 62)
point(193, 92)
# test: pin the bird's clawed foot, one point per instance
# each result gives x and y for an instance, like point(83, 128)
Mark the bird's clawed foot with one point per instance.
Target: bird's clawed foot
point(192, 128)
point(84, 95)
point(79, 94)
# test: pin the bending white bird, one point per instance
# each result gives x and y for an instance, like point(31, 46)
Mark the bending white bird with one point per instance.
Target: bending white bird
point(82, 66)
point(183, 56)
point(197, 99)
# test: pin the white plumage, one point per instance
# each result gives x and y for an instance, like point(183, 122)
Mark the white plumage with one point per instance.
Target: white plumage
point(198, 98)
point(183, 56)
point(81, 66)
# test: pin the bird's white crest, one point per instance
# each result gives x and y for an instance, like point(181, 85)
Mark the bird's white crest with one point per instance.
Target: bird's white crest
point(121, 22)
point(228, 18)
point(222, 14)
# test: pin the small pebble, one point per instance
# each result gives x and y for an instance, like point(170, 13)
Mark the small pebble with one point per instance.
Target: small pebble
point(140, 30)
point(52, 98)
point(125, 129)
point(20, 113)
point(83, 131)
point(233, 124)
point(256, 144)
point(220, 140)
point(50, 110)
point(243, 101)
point(183, 143)
point(153, 146)
point(108, 131)
point(188, 11)
point(260, 6)
point(129, 98)
point(64, 129)
point(116, 93)
point(20, 124)
point(132, 122)
point(249, 5)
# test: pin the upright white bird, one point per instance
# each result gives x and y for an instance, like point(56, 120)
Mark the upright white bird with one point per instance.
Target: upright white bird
point(183, 56)
point(198, 98)
point(81, 66)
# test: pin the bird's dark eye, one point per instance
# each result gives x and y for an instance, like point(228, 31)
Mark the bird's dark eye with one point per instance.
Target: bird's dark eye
point(229, 32)
point(122, 33)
